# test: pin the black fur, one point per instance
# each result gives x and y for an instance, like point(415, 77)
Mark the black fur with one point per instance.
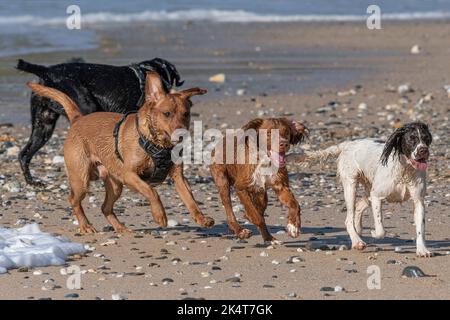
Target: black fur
point(93, 87)
point(404, 140)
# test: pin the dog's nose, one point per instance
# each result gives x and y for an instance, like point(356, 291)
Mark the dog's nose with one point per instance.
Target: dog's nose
point(423, 152)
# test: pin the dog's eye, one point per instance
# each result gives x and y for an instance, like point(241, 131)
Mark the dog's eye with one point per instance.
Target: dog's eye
point(167, 114)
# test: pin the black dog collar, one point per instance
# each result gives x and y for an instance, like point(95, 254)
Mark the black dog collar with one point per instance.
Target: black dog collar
point(162, 157)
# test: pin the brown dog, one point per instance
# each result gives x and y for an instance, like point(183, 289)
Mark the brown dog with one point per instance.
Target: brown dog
point(131, 155)
point(251, 185)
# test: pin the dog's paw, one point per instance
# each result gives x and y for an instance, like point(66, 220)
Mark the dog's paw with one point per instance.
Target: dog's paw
point(293, 230)
point(378, 235)
point(244, 234)
point(424, 253)
point(206, 222)
point(276, 242)
point(87, 228)
point(360, 245)
point(161, 221)
point(122, 229)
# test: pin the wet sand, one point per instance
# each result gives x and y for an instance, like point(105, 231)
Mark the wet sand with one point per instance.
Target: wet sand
point(319, 74)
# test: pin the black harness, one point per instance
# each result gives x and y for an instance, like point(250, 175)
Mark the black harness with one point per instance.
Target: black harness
point(162, 157)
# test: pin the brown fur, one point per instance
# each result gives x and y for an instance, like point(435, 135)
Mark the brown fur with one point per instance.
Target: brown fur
point(254, 198)
point(89, 151)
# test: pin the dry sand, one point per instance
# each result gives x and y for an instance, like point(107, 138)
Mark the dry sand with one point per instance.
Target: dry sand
point(371, 63)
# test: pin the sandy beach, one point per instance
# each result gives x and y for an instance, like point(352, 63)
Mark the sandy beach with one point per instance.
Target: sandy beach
point(341, 79)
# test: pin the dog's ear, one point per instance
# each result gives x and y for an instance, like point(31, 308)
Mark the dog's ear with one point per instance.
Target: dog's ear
point(188, 93)
point(254, 124)
point(393, 144)
point(298, 132)
point(154, 89)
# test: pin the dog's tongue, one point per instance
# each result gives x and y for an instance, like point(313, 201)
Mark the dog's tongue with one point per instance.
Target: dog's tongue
point(279, 159)
point(421, 166)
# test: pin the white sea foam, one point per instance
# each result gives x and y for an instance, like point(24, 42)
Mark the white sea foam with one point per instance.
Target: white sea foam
point(29, 247)
point(212, 15)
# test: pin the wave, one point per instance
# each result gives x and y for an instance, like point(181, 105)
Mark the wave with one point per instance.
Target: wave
point(211, 15)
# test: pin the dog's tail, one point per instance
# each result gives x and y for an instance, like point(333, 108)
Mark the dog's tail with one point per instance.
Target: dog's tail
point(71, 109)
point(36, 69)
point(311, 158)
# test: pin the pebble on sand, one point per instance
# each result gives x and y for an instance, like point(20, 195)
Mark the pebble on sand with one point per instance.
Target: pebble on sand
point(118, 296)
point(13, 151)
point(413, 272)
point(172, 223)
point(416, 49)
point(218, 78)
point(58, 160)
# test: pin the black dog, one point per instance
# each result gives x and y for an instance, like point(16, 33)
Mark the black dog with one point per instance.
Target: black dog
point(94, 88)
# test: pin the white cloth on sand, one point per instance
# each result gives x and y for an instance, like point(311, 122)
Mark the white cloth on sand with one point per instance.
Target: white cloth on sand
point(29, 247)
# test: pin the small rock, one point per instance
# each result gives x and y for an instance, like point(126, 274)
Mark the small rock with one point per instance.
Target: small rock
point(416, 49)
point(118, 296)
point(295, 259)
point(172, 223)
point(291, 295)
point(326, 289)
point(13, 151)
point(338, 289)
point(107, 229)
point(58, 160)
point(233, 279)
point(71, 295)
point(399, 250)
point(404, 88)
point(240, 92)
point(362, 106)
point(218, 78)
point(166, 281)
point(13, 187)
point(109, 242)
point(413, 272)
point(314, 245)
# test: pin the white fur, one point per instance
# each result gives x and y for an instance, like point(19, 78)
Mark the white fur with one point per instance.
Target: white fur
point(359, 163)
point(292, 230)
point(263, 175)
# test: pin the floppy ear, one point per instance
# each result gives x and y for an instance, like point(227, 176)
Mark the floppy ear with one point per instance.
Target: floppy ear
point(393, 144)
point(188, 93)
point(298, 132)
point(154, 89)
point(254, 124)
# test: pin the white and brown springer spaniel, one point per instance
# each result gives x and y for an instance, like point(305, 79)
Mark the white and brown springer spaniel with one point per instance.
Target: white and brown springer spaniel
point(395, 171)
